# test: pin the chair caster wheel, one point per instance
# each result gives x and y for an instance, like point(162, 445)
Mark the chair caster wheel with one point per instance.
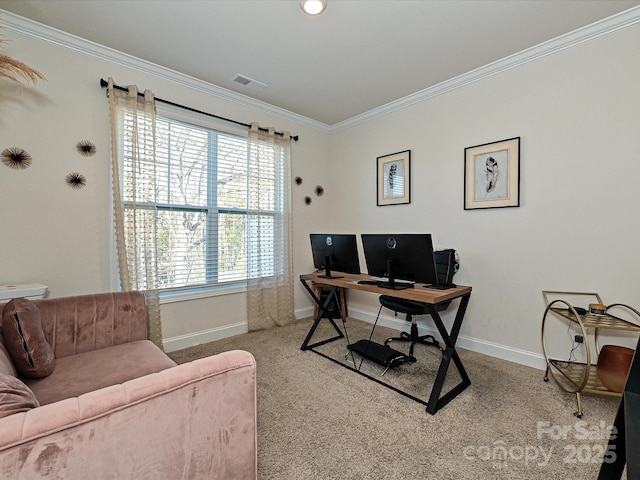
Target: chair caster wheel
point(546, 379)
point(578, 414)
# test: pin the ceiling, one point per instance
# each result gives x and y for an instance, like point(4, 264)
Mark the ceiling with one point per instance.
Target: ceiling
point(355, 57)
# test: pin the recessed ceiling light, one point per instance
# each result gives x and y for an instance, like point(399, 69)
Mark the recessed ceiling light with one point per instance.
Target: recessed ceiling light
point(313, 7)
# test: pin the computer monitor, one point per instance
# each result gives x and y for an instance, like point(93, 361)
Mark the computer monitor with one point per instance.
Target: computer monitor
point(407, 256)
point(337, 252)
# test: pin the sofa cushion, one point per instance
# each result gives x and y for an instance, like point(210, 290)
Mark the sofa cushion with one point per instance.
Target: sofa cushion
point(15, 396)
point(22, 327)
point(6, 364)
point(89, 371)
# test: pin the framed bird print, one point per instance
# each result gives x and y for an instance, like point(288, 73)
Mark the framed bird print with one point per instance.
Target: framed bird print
point(492, 175)
point(394, 178)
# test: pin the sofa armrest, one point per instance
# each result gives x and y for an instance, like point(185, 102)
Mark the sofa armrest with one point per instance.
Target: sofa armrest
point(195, 420)
point(84, 323)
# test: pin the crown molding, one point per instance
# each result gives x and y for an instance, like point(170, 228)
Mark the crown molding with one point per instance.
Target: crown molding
point(57, 37)
point(603, 27)
point(54, 36)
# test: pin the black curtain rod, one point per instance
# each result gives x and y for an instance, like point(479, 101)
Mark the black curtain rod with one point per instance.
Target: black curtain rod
point(104, 84)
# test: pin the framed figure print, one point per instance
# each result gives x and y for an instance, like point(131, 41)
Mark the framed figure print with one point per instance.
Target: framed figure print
point(394, 178)
point(492, 175)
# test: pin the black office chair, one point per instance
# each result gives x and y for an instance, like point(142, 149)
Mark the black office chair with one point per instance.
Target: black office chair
point(447, 265)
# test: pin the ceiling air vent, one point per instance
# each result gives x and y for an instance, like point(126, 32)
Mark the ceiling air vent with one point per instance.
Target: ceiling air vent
point(248, 82)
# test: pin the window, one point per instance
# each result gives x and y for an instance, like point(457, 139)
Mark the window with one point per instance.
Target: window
point(197, 191)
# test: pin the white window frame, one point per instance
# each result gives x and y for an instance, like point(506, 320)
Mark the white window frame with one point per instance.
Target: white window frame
point(179, 294)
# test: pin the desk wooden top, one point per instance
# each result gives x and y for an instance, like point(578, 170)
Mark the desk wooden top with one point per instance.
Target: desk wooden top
point(418, 293)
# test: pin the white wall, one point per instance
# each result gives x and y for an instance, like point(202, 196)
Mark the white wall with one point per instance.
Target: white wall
point(576, 112)
point(61, 237)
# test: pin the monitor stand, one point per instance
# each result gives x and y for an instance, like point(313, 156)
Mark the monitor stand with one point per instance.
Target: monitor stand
point(441, 286)
point(395, 286)
point(391, 284)
point(327, 269)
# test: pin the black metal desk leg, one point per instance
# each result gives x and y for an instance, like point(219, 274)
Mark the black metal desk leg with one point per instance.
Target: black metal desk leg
point(435, 401)
point(333, 295)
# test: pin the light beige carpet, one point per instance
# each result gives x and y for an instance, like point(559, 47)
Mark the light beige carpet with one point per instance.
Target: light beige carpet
point(319, 420)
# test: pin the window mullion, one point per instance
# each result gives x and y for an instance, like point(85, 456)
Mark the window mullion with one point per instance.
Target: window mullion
point(212, 265)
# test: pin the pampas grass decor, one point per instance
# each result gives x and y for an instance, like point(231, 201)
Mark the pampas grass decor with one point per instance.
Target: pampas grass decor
point(17, 71)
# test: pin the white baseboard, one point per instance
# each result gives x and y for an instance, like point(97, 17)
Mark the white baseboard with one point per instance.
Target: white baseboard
point(303, 313)
point(492, 349)
point(204, 336)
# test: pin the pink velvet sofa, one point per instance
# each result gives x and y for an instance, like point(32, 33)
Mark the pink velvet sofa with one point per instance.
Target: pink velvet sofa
point(117, 407)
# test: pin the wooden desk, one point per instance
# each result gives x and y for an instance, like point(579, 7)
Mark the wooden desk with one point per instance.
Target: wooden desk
point(430, 297)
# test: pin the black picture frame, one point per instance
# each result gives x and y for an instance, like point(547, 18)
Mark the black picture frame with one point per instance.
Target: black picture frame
point(492, 175)
point(394, 179)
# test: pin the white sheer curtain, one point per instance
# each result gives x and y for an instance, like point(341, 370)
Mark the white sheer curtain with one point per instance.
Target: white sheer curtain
point(269, 251)
point(133, 125)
